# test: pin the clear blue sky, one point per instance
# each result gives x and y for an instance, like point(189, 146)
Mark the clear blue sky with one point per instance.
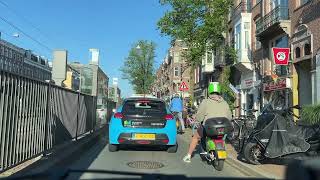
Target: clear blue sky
point(77, 25)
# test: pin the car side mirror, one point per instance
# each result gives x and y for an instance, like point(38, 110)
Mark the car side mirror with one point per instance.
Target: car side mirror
point(113, 110)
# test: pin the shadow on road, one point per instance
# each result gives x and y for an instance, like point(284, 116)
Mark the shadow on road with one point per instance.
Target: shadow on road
point(141, 148)
point(82, 162)
point(46, 165)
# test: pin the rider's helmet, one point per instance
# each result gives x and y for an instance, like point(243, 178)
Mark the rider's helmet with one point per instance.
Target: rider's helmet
point(214, 88)
point(177, 95)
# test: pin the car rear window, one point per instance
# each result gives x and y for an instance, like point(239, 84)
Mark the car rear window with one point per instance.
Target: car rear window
point(144, 108)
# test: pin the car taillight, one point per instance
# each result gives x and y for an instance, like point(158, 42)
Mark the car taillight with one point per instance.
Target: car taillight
point(118, 115)
point(169, 117)
point(121, 140)
point(165, 141)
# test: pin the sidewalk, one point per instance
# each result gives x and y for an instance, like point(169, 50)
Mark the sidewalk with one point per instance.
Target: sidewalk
point(266, 170)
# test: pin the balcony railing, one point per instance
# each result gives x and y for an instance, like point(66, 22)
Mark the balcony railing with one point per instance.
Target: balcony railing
point(273, 17)
point(242, 7)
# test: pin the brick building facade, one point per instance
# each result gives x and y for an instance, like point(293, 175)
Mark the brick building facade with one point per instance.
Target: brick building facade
point(305, 49)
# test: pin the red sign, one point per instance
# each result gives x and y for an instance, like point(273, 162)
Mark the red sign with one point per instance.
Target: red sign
point(272, 86)
point(281, 56)
point(183, 87)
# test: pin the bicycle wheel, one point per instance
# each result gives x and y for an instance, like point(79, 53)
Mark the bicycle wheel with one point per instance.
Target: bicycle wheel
point(242, 138)
point(236, 131)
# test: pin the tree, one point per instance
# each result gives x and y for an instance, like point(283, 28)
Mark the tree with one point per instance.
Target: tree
point(138, 67)
point(201, 24)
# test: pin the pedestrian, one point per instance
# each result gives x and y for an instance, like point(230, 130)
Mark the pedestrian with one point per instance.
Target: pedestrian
point(176, 106)
point(213, 106)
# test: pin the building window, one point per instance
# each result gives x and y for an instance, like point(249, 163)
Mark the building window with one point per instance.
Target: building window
point(301, 2)
point(298, 52)
point(176, 57)
point(43, 62)
point(246, 25)
point(247, 45)
point(257, 1)
point(209, 57)
point(258, 43)
point(176, 71)
point(34, 58)
point(238, 37)
point(307, 49)
point(6, 52)
point(203, 59)
point(282, 42)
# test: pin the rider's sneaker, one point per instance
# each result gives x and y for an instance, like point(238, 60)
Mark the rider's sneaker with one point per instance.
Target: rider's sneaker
point(187, 158)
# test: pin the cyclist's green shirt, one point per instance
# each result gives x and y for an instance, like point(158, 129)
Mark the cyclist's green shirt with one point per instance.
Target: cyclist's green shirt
point(214, 106)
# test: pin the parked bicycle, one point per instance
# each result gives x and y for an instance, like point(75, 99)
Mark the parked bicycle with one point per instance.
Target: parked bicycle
point(192, 123)
point(242, 127)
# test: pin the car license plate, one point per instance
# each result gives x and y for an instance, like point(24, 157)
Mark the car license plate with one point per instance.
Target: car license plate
point(222, 155)
point(145, 136)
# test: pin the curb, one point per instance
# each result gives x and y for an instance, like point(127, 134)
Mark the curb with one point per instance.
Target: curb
point(249, 168)
point(61, 155)
point(244, 168)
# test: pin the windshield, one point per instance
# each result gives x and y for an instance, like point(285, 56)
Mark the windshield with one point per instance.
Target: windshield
point(144, 108)
point(88, 85)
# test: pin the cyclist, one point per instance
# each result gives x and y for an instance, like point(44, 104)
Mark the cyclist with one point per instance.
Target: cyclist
point(213, 106)
point(176, 106)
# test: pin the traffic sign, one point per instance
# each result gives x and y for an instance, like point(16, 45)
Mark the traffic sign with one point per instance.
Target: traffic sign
point(281, 55)
point(183, 87)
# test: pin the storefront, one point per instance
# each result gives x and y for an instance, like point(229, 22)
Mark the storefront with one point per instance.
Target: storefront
point(249, 90)
point(278, 93)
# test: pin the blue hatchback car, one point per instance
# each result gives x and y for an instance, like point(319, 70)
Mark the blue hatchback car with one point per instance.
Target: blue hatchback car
point(143, 121)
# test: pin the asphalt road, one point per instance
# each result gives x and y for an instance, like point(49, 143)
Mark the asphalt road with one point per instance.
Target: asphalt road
point(99, 158)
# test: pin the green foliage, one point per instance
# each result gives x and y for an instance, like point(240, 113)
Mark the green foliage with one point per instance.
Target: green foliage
point(311, 114)
point(227, 93)
point(231, 55)
point(138, 67)
point(199, 23)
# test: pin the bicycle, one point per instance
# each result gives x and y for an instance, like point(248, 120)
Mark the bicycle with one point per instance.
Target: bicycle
point(192, 123)
point(242, 126)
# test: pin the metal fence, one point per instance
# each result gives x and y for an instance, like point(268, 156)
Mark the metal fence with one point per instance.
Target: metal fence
point(36, 116)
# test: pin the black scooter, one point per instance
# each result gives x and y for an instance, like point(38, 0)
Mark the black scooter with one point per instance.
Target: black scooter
point(276, 135)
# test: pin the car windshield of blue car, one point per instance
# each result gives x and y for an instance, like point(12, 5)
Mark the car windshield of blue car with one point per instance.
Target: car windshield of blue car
point(146, 108)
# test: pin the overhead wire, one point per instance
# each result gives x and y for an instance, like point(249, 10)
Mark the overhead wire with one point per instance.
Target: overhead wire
point(25, 19)
point(16, 39)
point(26, 34)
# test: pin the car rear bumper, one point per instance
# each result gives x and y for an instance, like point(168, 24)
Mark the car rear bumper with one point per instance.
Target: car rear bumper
point(163, 136)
